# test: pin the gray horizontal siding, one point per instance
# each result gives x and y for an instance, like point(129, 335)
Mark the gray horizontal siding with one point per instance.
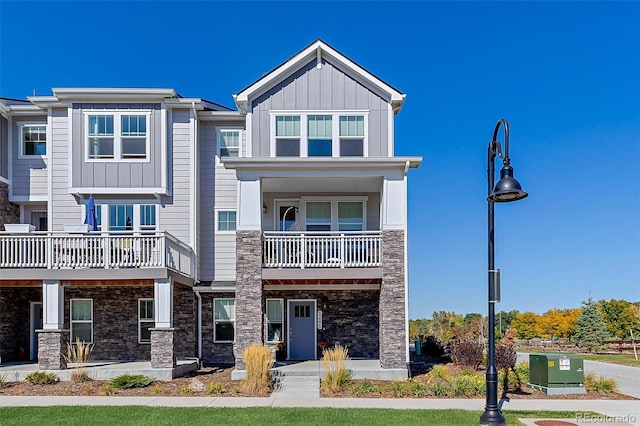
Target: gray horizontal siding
point(327, 88)
point(29, 174)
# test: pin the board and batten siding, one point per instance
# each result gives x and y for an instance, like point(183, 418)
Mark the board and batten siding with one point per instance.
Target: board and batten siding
point(113, 173)
point(324, 89)
point(4, 148)
point(29, 174)
point(63, 207)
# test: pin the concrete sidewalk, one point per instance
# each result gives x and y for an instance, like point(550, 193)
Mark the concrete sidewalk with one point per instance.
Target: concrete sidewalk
point(618, 412)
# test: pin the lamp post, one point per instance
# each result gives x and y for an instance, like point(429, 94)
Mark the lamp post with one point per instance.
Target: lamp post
point(506, 190)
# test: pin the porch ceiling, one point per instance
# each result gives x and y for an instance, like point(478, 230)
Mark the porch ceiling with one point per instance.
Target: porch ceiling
point(324, 184)
point(322, 275)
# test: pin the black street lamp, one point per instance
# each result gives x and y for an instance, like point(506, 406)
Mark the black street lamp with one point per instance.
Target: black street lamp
point(506, 190)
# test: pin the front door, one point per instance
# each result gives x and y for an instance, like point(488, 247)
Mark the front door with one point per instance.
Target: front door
point(302, 329)
point(36, 324)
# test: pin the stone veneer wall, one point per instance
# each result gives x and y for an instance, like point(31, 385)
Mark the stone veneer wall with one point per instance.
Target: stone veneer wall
point(15, 316)
point(393, 339)
point(248, 292)
point(185, 321)
point(9, 212)
point(115, 319)
point(348, 316)
point(214, 353)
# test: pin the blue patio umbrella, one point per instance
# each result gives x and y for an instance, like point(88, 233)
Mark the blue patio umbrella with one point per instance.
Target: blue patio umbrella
point(91, 219)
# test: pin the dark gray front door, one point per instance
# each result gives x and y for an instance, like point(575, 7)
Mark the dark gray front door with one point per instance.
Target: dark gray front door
point(302, 329)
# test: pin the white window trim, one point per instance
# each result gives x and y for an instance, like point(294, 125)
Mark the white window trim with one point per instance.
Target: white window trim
point(304, 121)
point(266, 329)
point(219, 158)
point(217, 220)
point(140, 321)
point(215, 340)
point(21, 125)
point(117, 135)
point(334, 209)
point(72, 321)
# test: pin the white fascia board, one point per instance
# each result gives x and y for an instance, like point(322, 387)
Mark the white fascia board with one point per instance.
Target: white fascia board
point(221, 115)
point(28, 109)
point(115, 190)
point(184, 103)
point(309, 53)
point(329, 163)
point(109, 93)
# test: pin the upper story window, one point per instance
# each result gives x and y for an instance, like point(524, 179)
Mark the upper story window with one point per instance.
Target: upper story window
point(319, 135)
point(229, 142)
point(287, 136)
point(127, 217)
point(335, 215)
point(117, 136)
point(34, 140)
point(226, 221)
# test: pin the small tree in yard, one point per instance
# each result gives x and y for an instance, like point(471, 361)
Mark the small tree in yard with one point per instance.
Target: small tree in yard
point(506, 357)
point(591, 330)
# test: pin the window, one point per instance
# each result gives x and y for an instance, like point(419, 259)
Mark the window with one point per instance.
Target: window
point(134, 136)
point(229, 143)
point(34, 140)
point(339, 214)
point(351, 136)
point(147, 217)
point(224, 318)
point(310, 134)
point(288, 136)
point(319, 131)
point(318, 216)
point(275, 313)
point(350, 216)
point(117, 136)
point(146, 320)
point(226, 221)
point(121, 217)
point(82, 320)
point(127, 217)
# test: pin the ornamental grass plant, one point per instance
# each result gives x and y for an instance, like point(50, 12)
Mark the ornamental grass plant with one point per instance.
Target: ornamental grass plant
point(78, 354)
point(258, 360)
point(336, 375)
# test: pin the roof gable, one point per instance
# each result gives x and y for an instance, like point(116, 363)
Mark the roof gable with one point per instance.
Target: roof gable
point(317, 51)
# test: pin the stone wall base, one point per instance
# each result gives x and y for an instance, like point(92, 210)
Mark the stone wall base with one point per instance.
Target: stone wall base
point(163, 348)
point(52, 346)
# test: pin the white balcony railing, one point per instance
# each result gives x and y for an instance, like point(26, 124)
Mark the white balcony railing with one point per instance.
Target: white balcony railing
point(127, 249)
point(321, 249)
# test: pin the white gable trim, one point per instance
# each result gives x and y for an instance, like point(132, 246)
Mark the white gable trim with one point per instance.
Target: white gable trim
point(317, 50)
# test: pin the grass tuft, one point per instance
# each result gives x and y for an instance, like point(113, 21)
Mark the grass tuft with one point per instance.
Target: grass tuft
point(601, 384)
point(215, 388)
point(127, 381)
point(258, 360)
point(336, 375)
point(41, 378)
point(78, 354)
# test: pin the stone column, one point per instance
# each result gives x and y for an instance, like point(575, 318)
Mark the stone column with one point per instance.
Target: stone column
point(9, 212)
point(248, 292)
point(393, 338)
point(52, 346)
point(162, 348)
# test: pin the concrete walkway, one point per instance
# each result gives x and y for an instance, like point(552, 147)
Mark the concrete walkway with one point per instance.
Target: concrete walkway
point(618, 412)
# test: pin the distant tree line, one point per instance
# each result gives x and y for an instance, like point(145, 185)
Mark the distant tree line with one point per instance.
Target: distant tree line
point(589, 325)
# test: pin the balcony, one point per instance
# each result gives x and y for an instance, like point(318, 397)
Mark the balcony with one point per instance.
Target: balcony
point(59, 251)
point(321, 249)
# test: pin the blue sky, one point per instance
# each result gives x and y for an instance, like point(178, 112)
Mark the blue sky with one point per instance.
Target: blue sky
point(565, 75)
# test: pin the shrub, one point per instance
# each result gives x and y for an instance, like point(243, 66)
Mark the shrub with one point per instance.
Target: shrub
point(467, 353)
point(258, 360)
point(215, 388)
point(441, 389)
point(41, 378)
point(600, 384)
point(186, 390)
point(505, 357)
point(3, 381)
point(440, 372)
point(127, 381)
point(400, 389)
point(157, 389)
point(336, 375)
point(432, 346)
point(364, 388)
point(107, 390)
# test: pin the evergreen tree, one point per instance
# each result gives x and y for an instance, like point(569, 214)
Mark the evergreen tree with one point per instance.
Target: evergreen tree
point(591, 330)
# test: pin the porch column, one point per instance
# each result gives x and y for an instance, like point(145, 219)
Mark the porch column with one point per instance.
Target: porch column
point(248, 292)
point(163, 334)
point(393, 337)
point(52, 339)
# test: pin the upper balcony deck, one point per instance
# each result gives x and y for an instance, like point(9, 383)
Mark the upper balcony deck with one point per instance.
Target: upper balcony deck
point(100, 255)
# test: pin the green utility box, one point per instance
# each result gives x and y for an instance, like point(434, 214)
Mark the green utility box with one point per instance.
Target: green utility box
point(556, 374)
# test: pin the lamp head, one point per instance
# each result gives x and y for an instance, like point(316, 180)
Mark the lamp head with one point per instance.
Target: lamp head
point(507, 189)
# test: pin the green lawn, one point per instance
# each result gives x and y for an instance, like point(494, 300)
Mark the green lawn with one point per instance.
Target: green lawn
point(622, 359)
point(132, 415)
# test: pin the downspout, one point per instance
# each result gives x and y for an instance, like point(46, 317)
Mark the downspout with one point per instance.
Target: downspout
point(197, 291)
point(406, 263)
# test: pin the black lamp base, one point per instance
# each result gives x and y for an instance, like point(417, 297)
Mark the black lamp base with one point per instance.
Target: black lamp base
point(492, 417)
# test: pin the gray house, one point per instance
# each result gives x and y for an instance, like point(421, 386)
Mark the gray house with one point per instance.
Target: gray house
point(282, 221)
